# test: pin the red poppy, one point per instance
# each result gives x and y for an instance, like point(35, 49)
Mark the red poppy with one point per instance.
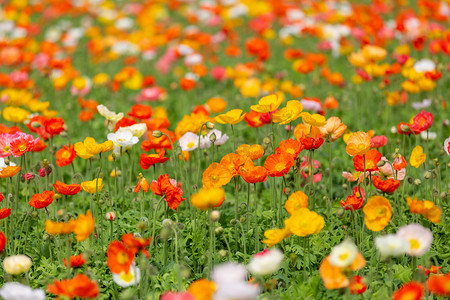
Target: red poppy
point(137, 244)
point(75, 261)
point(378, 141)
point(1, 197)
point(160, 143)
point(167, 187)
point(253, 119)
point(404, 128)
point(254, 175)
point(312, 143)
point(372, 157)
point(141, 111)
point(67, 189)
point(5, 212)
point(258, 47)
point(2, 241)
point(40, 146)
point(54, 126)
point(279, 164)
point(146, 161)
point(357, 286)
point(42, 200)
point(432, 269)
point(124, 122)
point(387, 186)
point(409, 291)
point(439, 285)
point(422, 121)
point(354, 201)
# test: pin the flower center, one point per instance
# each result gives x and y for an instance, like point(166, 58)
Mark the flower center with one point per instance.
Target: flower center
point(414, 244)
point(279, 167)
point(122, 258)
point(214, 178)
point(343, 256)
point(190, 145)
point(22, 147)
point(381, 211)
point(127, 277)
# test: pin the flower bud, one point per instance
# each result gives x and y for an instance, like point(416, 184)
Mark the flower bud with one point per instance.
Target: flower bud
point(404, 128)
point(167, 223)
point(210, 125)
point(427, 175)
point(215, 215)
point(219, 230)
point(243, 219)
point(34, 214)
point(7, 161)
point(57, 196)
point(306, 170)
point(222, 253)
point(443, 195)
point(340, 212)
point(45, 236)
point(435, 192)
point(409, 179)
point(287, 191)
point(417, 182)
point(344, 186)
point(110, 216)
point(35, 124)
point(212, 137)
point(157, 134)
point(266, 140)
point(10, 197)
point(381, 163)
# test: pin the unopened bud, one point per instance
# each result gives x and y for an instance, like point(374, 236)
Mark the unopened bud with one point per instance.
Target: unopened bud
point(212, 137)
point(435, 192)
point(222, 253)
point(427, 175)
point(7, 161)
point(210, 125)
point(45, 236)
point(417, 182)
point(340, 212)
point(266, 140)
point(443, 195)
point(110, 216)
point(167, 223)
point(219, 230)
point(34, 214)
point(404, 128)
point(57, 196)
point(381, 163)
point(287, 191)
point(410, 180)
point(243, 219)
point(215, 215)
point(344, 186)
point(306, 170)
point(157, 134)
point(35, 125)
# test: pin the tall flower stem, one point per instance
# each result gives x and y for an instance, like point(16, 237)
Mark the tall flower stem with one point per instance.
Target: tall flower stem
point(256, 221)
point(236, 207)
point(330, 178)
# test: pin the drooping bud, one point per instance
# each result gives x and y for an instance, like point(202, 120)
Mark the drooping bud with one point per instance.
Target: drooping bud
point(210, 125)
point(157, 134)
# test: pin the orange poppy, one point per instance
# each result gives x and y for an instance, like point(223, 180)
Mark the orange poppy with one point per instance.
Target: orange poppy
point(388, 186)
point(372, 157)
point(187, 84)
point(57, 228)
point(65, 156)
point(42, 200)
point(295, 201)
point(75, 261)
point(254, 174)
point(279, 164)
point(142, 183)
point(124, 122)
point(137, 244)
point(158, 143)
point(399, 162)
point(146, 161)
point(120, 257)
point(216, 176)
point(141, 111)
point(432, 269)
point(39, 146)
point(290, 147)
point(167, 187)
point(334, 277)
point(85, 115)
point(253, 152)
point(253, 119)
point(9, 171)
point(439, 285)
point(409, 291)
point(84, 225)
point(67, 189)
point(358, 144)
point(79, 286)
point(233, 162)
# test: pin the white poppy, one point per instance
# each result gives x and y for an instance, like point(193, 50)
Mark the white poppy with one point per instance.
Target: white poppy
point(391, 245)
point(419, 238)
point(266, 262)
point(343, 254)
point(189, 141)
point(128, 279)
point(18, 291)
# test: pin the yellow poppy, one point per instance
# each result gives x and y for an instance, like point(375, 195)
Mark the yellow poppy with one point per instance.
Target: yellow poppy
point(232, 117)
point(268, 103)
point(92, 186)
point(417, 157)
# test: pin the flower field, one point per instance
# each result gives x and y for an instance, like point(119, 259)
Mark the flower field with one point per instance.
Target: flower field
point(226, 150)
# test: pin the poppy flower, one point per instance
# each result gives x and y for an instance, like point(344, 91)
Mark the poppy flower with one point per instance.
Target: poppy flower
point(67, 189)
point(65, 156)
point(388, 186)
point(124, 122)
point(42, 200)
point(234, 162)
point(148, 160)
point(54, 126)
point(275, 236)
point(89, 147)
point(289, 113)
point(137, 244)
point(304, 222)
point(404, 128)
point(253, 152)
point(353, 202)
point(5, 212)
point(84, 225)
point(378, 141)
point(417, 157)
point(426, 208)
point(57, 228)
point(296, 201)
point(79, 286)
point(254, 174)
point(22, 143)
point(335, 277)
point(431, 270)
point(409, 291)
point(268, 103)
point(2, 241)
point(334, 128)
point(202, 289)
point(92, 186)
point(208, 198)
point(290, 147)
point(168, 187)
point(253, 119)
point(141, 111)
point(142, 183)
point(358, 144)
point(371, 158)
point(399, 162)
point(120, 257)
point(377, 213)
point(279, 164)
point(9, 171)
point(216, 176)
point(357, 286)
point(421, 122)
point(439, 285)
point(159, 143)
point(75, 261)
point(232, 117)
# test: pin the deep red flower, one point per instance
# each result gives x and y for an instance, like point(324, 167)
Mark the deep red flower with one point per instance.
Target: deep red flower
point(5, 212)
point(312, 143)
point(169, 188)
point(372, 157)
point(146, 161)
point(422, 121)
point(54, 126)
point(357, 286)
point(2, 241)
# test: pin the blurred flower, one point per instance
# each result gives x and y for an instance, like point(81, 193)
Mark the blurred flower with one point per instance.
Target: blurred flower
point(304, 222)
point(17, 264)
point(202, 289)
point(232, 117)
point(268, 104)
point(120, 257)
point(84, 226)
point(266, 262)
point(208, 198)
point(439, 285)
point(296, 201)
point(18, 291)
point(92, 186)
point(230, 279)
point(130, 278)
point(412, 290)
point(343, 254)
point(419, 238)
point(425, 208)
point(391, 245)
point(79, 286)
